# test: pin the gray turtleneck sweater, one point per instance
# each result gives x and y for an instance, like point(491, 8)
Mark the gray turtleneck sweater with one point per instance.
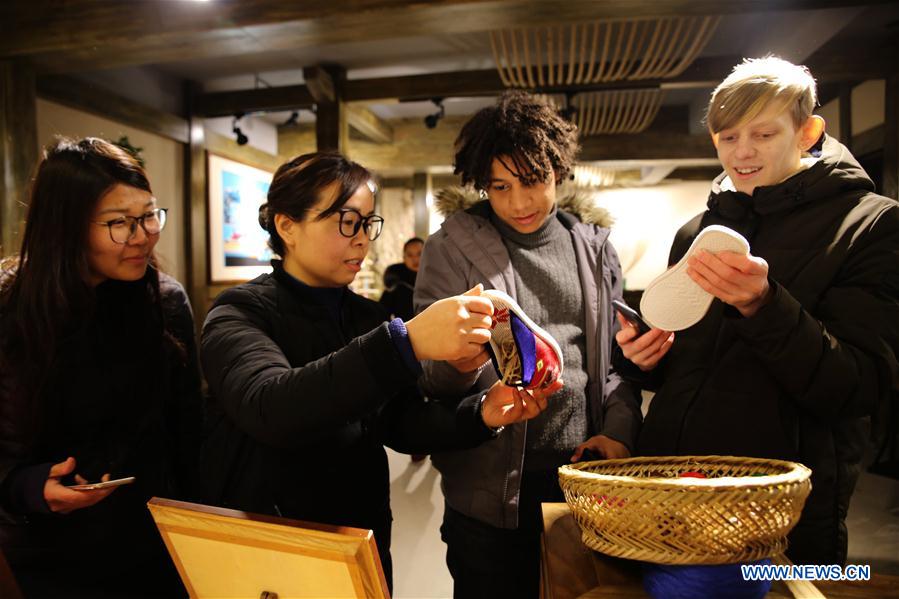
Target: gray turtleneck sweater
point(549, 291)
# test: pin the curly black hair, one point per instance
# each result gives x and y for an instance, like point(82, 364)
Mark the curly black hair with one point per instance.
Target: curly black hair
point(523, 128)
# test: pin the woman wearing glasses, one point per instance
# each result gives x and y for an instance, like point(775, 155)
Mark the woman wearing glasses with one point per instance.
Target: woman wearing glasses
point(98, 381)
point(308, 380)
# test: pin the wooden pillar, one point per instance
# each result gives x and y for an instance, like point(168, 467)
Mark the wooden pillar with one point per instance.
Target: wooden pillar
point(325, 83)
point(891, 121)
point(18, 149)
point(846, 115)
point(196, 211)
point(421, 187)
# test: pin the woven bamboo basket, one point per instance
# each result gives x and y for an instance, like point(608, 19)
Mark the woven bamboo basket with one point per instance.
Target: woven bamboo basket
point(642, 509)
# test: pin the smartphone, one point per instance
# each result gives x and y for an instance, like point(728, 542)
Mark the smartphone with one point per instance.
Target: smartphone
point(632, 316)
point(104, 484)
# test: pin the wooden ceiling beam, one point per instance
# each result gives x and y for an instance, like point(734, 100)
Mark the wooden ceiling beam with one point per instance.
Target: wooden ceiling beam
point(849, 60)
point(835, 63)
point(266, 99)
point(705, 72)
point(649, 145)
point(369, 125)
point(81, 95)
point(83, 34)
point(321, 83)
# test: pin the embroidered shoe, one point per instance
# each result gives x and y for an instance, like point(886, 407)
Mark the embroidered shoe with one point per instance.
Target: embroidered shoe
point(523, 354)
point(673, 301)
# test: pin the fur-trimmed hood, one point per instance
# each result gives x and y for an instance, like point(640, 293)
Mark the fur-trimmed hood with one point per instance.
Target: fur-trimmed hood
point(450, 200)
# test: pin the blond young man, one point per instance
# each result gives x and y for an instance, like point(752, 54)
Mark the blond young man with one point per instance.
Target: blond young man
point(800, 345)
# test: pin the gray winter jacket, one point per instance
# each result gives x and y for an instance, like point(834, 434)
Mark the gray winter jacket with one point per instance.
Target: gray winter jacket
point(484, 482)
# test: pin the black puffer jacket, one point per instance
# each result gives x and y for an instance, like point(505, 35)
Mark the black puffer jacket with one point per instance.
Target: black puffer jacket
point(301, 405)
point(799, 379)
point(119, 398)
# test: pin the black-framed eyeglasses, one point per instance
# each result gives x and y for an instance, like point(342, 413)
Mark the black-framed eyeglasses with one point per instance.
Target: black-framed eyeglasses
point(123, 228)
point(352, 220)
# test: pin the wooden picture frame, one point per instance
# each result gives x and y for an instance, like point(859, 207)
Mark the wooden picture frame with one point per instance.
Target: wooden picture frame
point(228, 553)
point(238, 247)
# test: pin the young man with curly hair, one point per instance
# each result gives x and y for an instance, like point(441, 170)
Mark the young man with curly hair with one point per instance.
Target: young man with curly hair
point(563, 272)
point(799, 347)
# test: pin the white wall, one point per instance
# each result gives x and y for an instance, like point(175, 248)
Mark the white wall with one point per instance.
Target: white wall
point(868, 101)
point(395, 205)
point(163, 158)
point(646, 219)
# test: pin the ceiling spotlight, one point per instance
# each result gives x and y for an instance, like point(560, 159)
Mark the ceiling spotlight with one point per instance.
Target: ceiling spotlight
point(242, 139)
point(292, 119)
point(432, 119)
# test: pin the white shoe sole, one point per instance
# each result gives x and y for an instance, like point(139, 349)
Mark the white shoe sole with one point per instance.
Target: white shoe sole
point(672, 301)
point(503, 331)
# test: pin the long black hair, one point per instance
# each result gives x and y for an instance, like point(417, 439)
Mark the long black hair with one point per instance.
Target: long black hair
point(45, 292)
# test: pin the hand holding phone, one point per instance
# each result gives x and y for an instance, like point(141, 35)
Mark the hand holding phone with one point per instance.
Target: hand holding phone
point(632, 316)
point(62, 499)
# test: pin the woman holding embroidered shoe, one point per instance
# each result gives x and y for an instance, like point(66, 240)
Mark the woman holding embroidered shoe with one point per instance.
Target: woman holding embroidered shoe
point(307, 379)
point(98, 381)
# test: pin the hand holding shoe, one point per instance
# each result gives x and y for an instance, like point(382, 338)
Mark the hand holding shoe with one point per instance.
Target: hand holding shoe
point(738, 280)
point(506, 405)
point(466, 365)
point(676, 300)
point(455, 328)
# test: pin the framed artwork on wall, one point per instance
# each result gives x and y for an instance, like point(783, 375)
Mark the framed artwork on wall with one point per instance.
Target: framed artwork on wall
point(238, 246)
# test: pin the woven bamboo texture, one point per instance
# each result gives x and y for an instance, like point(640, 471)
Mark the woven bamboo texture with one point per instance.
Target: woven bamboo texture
point(645, 48)
point(642, 509)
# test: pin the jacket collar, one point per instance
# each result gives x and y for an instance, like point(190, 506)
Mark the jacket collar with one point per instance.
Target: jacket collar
point(325, 296)
point(578, 204)
point(482, 210)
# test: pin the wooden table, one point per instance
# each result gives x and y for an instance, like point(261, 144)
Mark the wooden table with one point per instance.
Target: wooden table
point(569, 570)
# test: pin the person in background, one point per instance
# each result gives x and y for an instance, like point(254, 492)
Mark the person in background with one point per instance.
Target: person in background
point(98, 380)
point(399, 281)
point(799, 347)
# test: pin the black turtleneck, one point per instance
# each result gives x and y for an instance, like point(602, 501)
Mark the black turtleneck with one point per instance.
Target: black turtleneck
point(331, 298)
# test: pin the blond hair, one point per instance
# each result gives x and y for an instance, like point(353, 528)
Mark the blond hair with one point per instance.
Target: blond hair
point(754, 85)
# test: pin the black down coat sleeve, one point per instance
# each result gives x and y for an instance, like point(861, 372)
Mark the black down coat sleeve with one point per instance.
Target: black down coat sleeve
point(285, 406)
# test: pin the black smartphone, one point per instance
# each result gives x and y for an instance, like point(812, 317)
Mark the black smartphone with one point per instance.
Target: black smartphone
point(631, 316)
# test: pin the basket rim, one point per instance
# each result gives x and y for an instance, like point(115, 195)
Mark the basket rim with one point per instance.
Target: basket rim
point(797, 473)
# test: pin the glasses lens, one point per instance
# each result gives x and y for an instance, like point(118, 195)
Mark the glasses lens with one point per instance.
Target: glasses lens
point(154, 221)
point(349, 223)
point(374, 226)
point(120, 229)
